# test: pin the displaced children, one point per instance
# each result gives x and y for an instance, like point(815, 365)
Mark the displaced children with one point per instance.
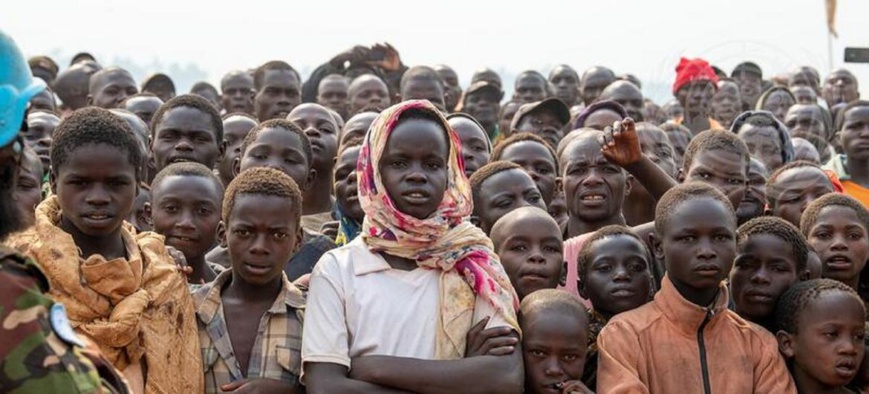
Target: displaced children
point(498, 188)
point(688, 323)
point(185, 208)
point(528, 242)
point(373, 302)
point(235, 128)
point(615, 276)
point(121, 289)
point(249, 317)
point(771, 256)
point(837, 227)
point(350, 213)
point(821, 331)
point(554, 330)
point(852, 167)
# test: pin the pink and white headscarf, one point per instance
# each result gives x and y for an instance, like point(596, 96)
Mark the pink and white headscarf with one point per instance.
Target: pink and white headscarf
point(445, 241)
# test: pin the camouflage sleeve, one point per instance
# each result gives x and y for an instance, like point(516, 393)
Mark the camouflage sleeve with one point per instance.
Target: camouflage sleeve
point(33, 358)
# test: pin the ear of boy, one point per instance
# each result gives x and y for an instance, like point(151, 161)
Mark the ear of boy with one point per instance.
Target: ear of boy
point(657, 247)
point(562, 279)
point(785, 343)
point(221, 234)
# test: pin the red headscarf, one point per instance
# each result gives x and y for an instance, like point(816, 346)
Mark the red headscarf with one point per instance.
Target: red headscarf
point(690, 70)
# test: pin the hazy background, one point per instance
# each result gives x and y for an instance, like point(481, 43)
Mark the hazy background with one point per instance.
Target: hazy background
point(201, 40)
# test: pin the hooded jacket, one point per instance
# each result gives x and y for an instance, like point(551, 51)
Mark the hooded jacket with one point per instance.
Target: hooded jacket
point(672, 345)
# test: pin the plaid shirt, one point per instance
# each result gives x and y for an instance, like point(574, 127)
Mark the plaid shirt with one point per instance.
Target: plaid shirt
point(276, 351)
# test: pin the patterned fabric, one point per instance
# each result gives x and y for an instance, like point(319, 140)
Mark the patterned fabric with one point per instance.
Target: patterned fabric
point(276, 353)
point(135, 309)
point(444, 241)
point(348, 229)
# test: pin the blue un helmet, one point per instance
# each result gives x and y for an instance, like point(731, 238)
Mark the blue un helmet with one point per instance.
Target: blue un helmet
point(17, 87)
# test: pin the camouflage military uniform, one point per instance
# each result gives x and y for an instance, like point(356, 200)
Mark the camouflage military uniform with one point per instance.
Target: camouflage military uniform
point(39, 353)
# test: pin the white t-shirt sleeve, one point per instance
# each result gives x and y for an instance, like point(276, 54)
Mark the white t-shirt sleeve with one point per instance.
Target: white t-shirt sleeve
point(325, 338)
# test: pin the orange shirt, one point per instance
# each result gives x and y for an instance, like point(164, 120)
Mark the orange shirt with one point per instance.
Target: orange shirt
point(671, 345)
point(858, 192)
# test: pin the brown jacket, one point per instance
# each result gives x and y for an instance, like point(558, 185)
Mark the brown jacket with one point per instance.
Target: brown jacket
point(671, 345)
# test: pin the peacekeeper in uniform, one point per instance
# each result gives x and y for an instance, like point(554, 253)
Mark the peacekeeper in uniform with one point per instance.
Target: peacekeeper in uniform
point(39, 351)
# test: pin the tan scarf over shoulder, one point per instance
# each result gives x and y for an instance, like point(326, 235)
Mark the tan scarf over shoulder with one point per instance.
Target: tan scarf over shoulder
point(131, 308)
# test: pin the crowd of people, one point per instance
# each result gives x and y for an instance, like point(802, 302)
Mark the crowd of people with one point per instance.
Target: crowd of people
point(379, 228)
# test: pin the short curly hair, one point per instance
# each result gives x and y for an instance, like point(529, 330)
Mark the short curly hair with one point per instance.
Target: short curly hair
point(779, 228)
point(499, 149)
point(280, 124)
point(679, 194)
point(260, 73)
point(721, 140)
point(193, 101)
point(92, 125)
point(263, 181)
point(553, 301)
point(797, 298)
point(810, 215)
point(585, 257)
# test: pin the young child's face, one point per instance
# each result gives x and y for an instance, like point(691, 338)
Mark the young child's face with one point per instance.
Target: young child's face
point(186, 210)
point(96, 188)
point(279, 149)
point(346, 192)
point(28, 189)
point(764, 269)
point(531, 251)
point(617, 277)
point(537, 162)
point(721, 169)
point(841, 241)
point(699, 244)
point(594, 188)
point(554, 347)
point(544, 124)
point(828, 346)
point(185, 134)
point(475, 144)
point(414, 167)
point(319, 125)
point(502, 193)
point(793, 190)
point(261, 236)
point(234, 130)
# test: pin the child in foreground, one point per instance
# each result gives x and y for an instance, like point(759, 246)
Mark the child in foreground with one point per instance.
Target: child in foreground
point(417, 261)
point(554, 327)
point(821, 332)
point(688, 323)
point(249, 318)
point(121, 289)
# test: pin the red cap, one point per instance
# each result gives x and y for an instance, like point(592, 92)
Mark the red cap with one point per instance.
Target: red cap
point(690, 70)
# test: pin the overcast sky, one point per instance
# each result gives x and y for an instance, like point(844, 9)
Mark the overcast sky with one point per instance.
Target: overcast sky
point(643, 37)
